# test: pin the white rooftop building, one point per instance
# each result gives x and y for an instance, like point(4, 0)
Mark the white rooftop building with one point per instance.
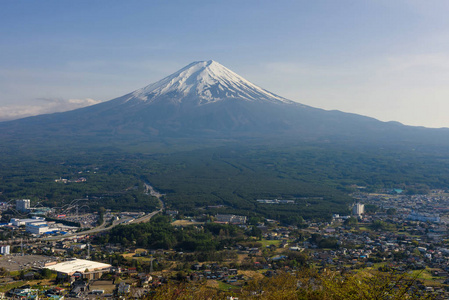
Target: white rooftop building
point(20, 222)
point(37, 227)
point(85, 268)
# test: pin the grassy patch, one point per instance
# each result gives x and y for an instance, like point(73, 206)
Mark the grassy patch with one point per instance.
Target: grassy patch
point(266, 243)
point(423, 274)
point(225, 286)
point(186, 223)
point(12, 285)
point(364, 228)
point(131, 254)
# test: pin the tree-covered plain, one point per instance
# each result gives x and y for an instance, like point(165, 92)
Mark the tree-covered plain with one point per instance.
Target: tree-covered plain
point(226, 178)
point(160, 234)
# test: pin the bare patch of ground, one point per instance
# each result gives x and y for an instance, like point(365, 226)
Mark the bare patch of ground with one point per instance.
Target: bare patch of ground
point(105, 285)
point(185, 223)
point(251, 274)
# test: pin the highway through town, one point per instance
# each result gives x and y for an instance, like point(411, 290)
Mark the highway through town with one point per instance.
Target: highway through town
point(145, 218)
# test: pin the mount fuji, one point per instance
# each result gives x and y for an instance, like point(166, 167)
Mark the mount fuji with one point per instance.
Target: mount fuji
point(207, 100)
point(201, 83)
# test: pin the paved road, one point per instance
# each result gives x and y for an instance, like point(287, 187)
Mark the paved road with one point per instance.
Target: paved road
point(154, 193)
point(102, 227)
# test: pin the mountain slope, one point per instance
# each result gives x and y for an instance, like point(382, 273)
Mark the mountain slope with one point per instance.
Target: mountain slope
point(204, 136)
point(207, 100)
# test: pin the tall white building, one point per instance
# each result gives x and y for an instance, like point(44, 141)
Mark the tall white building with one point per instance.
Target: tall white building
point(358, 209)
point(23, 205)
point(5, 250)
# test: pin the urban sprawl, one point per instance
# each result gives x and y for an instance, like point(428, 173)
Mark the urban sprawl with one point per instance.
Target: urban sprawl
point(386, 231)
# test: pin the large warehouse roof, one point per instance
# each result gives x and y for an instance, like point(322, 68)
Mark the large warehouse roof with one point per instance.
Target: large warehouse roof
point(78, 265)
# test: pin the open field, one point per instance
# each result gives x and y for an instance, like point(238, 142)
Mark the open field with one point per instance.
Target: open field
point(131, 254)
point(105, 285)
point(266, 243)
point(11, 285)
point(185, 223)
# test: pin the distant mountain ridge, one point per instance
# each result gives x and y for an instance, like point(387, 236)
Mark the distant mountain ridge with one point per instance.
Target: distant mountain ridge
point(207, 100)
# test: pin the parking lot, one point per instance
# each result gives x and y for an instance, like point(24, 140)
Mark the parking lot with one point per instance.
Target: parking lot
point(17, 263)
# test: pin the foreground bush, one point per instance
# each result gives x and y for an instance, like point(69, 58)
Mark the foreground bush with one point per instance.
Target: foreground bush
point(307, 284)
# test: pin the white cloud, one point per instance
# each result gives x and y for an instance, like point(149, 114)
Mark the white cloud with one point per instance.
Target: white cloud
point(46, 105)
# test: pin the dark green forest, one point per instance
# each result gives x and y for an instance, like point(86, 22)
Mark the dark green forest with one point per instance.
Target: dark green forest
point(160, 234)
point(231, 177)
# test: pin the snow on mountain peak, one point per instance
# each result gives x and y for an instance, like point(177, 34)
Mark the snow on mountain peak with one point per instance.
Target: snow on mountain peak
point(207, 81)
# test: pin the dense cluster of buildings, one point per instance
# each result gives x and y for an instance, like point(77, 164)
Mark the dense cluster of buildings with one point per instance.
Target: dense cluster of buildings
point(424, 208)
point(64, 180)
point(423, 217)
point(230, 219)
point(24, 206)
point(38, 226)
point(275, 201)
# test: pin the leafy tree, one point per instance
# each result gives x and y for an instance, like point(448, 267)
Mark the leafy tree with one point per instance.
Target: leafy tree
point(382, 225)
point(391, 211)
point(328, 243)
point(307, 284)
point(351, 222)
point(46, 273)
point(3, 272)
point(371, 208)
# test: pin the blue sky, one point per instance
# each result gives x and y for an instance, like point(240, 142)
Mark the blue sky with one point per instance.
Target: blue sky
point(385, 59)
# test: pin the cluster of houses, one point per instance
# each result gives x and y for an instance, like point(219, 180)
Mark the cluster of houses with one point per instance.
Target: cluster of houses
point(413, 243)
point(413, 247)
point(230, 219)
point(213, 271)
point(64, 180)
point(275, 201)
point(424, 208)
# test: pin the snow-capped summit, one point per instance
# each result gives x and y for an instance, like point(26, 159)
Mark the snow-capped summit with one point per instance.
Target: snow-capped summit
point(203, 82)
